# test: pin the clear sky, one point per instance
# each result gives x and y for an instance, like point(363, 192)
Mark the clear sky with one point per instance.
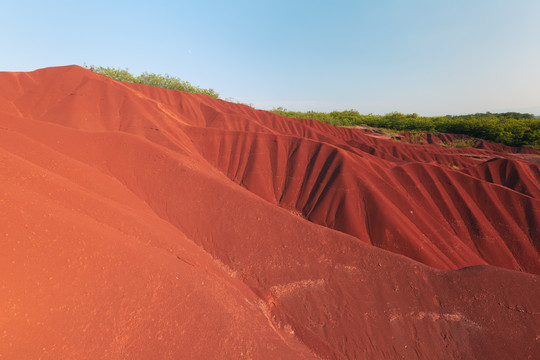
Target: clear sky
point(432, 57)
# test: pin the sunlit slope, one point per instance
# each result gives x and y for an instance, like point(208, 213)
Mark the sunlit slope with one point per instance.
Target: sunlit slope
point(145, 223)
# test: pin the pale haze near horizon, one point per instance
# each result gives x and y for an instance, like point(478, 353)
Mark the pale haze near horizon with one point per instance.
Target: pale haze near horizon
point(426, 57)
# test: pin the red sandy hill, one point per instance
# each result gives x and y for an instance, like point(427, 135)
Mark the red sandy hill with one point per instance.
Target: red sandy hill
point(143, 223)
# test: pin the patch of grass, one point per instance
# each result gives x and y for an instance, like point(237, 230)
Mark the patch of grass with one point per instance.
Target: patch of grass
point(394, 134)
point(416, 138)
point(461, 143)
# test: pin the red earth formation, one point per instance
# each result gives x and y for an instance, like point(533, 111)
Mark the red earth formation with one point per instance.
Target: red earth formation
point(143, 223)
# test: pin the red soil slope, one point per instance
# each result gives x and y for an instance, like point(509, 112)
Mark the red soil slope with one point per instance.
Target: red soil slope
point(138, 222)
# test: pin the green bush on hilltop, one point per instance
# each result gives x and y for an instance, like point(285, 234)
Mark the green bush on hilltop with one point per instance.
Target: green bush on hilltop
point(157, 80)
point(513, 129)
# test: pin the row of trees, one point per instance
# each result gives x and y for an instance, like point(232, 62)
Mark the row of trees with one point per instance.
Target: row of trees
point(514, 129)
point(150, 79)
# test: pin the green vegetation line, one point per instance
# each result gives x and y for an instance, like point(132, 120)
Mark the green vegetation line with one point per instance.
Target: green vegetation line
point(513, 129)
point(157, 80)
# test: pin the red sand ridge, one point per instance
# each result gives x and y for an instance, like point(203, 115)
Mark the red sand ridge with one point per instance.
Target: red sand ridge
point(139, 222)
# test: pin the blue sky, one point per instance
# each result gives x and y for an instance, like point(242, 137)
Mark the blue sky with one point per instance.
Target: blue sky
point(432, 57)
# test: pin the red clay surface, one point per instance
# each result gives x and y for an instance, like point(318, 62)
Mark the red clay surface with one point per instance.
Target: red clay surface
point(143, 223)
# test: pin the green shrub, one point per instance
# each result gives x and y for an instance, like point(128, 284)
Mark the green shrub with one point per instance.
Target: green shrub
point(157, 80)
